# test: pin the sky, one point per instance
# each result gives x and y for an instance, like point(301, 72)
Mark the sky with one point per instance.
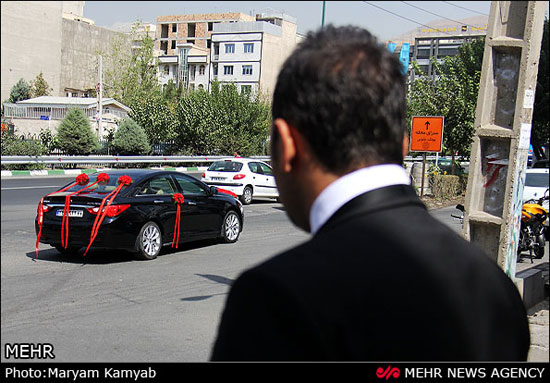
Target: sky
point(385, 19)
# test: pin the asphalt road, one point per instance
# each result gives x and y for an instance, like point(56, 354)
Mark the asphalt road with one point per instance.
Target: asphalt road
point(109, 307)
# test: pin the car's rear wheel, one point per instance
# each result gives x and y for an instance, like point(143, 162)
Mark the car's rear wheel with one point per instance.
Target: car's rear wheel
point(231, 227)
point(149, 241)
point(246, 198)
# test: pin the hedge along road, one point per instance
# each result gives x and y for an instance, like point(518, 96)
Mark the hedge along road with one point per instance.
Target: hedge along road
point(108, 307)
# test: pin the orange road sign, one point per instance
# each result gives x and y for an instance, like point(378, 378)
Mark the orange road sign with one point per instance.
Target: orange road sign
point(427, 134)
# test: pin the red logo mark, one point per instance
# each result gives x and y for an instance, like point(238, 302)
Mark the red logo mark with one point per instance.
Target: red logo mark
point(389, 372)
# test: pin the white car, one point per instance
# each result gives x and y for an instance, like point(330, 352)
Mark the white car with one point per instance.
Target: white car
point(246, 177)
point(536, 184)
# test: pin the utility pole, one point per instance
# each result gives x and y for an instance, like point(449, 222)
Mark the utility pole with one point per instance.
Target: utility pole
point(323, 18)
point(99, 90)
point(503, 127)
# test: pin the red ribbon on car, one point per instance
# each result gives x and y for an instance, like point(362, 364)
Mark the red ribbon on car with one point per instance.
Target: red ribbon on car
point(122, 181)
point(41, 213)
point(179, 199)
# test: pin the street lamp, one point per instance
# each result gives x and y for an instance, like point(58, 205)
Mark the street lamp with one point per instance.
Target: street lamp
point(323, 18)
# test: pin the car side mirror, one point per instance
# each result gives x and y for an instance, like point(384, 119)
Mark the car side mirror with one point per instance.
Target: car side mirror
point(213, 190)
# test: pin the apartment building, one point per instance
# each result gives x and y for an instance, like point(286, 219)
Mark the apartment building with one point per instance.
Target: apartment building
point(227, 47)
point(192, 29)
point(250, 54)
point(54, 38)
point(438, 39)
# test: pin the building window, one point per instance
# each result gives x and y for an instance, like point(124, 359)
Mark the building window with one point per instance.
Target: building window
point(210, 26)
point(191, 30)
point(229, 48)
point(174, 27)
point(246, 89)
point(247, 69)
point(166, 70)
point(201, 70)
point(249, 48)
point(228, 69)
point(173, 44)
point(164, 31)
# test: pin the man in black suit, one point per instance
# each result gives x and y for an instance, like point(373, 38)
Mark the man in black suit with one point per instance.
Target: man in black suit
point(380, 279)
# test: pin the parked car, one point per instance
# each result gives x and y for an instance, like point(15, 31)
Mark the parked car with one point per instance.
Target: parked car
point(246, 177)
point(142, 217)
point(536, 184)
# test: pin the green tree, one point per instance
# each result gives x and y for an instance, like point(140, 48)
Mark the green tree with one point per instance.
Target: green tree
point(131, 74)
point(74, 134)
point(20, 91)
point(130, 139)
point(156, 117)
point(222, 122)
point(541, 110)
point(39, 86)
point(453, 94)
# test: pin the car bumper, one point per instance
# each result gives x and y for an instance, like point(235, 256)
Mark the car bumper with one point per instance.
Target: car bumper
point(113, 233)
point(238, 189)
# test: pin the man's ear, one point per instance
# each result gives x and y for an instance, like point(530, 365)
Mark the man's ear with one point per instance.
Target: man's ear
point(286, 145)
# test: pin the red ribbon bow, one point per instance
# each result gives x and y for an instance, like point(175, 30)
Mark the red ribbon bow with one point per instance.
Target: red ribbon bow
point(179, 199)
point(122, 181)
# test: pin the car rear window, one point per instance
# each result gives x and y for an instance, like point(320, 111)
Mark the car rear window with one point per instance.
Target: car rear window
point(536, 180)
point(109, 187)
point(226, 166)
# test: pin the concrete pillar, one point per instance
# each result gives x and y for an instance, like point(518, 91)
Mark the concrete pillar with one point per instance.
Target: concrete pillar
point(503, 127)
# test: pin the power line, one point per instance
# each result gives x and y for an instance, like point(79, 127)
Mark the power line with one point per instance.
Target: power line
point(403, 17)
point(467, 9)
point(435, 14)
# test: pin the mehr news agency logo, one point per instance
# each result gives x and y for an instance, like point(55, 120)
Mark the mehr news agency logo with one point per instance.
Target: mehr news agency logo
point(390, 373)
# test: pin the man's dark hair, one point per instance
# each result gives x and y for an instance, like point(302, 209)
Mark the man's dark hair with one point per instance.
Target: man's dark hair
point(345, 93)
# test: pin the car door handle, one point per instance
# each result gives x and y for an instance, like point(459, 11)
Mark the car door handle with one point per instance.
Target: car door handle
point(158, 201)
point(191, 203)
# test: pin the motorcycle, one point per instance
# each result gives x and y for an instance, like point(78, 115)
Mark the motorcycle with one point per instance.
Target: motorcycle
point(533, 232)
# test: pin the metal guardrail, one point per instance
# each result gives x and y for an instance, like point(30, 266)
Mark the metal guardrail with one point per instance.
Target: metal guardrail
point(13, 160)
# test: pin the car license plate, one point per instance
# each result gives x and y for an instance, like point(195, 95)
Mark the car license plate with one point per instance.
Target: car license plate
point(72, 213)
point(218, 178)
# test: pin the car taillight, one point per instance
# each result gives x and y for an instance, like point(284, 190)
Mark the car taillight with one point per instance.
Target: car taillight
point(112, 211)
point(46, 208)
point(239, 176)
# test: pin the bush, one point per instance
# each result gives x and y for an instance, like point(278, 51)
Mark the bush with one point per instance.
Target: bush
point(14, 146)
point(445, 187)
point(74, 134)
point(130, 139)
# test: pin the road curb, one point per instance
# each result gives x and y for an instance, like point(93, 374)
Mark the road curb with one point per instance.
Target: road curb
point(70, 172)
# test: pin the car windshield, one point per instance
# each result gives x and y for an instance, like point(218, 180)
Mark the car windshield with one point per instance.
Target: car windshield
point(226, 166)
point(536, 180)
point(99, 187)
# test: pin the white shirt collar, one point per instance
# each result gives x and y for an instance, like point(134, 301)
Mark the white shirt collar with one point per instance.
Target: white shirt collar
point(351, 185)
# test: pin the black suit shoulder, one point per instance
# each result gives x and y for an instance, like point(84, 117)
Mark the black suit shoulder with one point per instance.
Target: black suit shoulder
point(379, 281)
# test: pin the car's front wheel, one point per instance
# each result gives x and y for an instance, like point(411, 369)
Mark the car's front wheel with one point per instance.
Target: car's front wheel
point(231, 227)
point(149, 241)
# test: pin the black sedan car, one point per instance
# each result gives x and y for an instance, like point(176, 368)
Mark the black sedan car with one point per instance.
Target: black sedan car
point(142, 217)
